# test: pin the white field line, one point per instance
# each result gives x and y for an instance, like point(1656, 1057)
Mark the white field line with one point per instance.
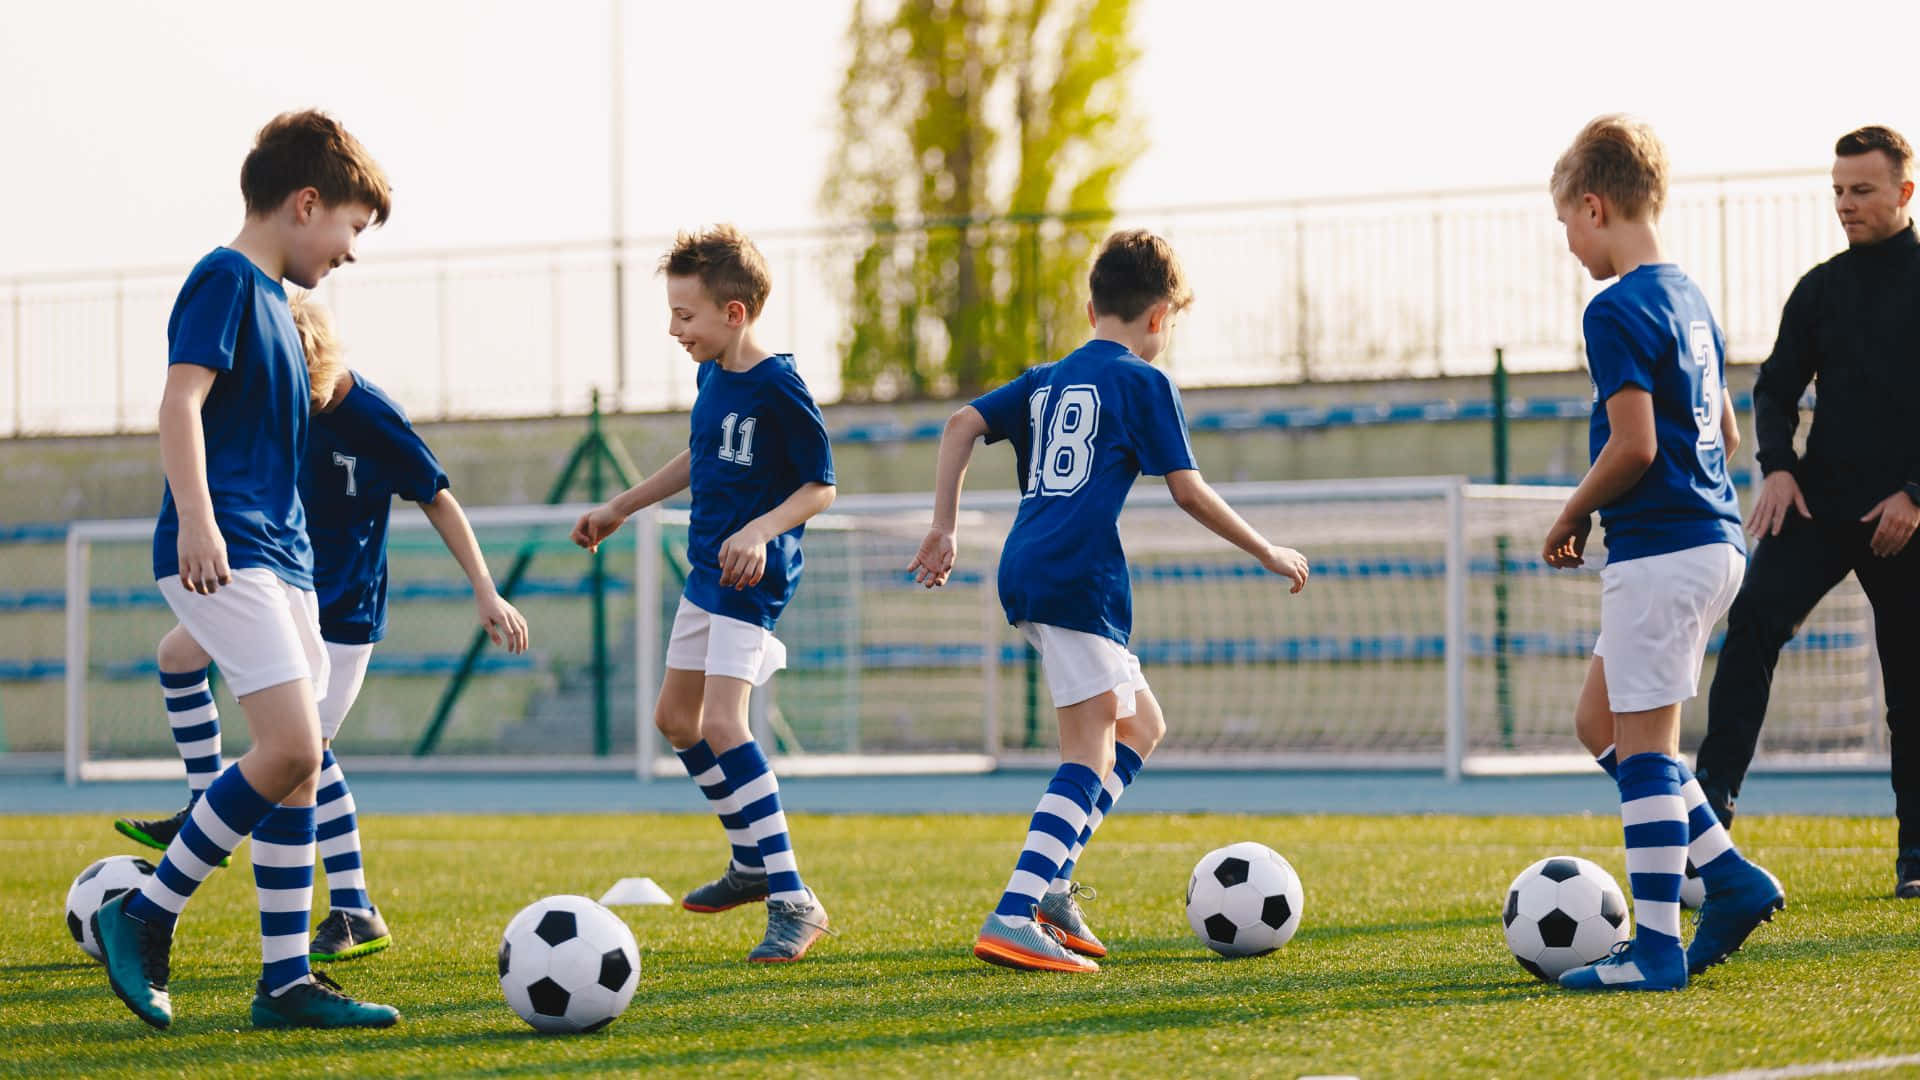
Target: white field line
point(1824, 1068)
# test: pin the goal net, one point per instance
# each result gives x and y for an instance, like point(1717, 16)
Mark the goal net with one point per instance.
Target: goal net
point(1431, 637)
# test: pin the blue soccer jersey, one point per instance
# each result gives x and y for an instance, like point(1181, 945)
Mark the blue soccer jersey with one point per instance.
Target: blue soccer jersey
point(757, 438)
point(1082, 428)
point(1652, 329)
point(359, 456)
point(234, 319)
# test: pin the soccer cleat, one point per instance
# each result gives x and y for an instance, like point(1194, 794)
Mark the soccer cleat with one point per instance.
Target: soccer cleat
point(729, 890)
point(1906, 872)
point(136, 955)
point(157, 833)
point(1730, 913)
point(792, 928)
point(1033, 946)
point(1061, 910)
point(344, 935)
point(317, 1004)
point(1621, 970)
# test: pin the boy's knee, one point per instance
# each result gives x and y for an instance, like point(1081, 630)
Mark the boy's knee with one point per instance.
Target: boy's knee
point(178, 651)
point(1142, 731)
point(681, 728)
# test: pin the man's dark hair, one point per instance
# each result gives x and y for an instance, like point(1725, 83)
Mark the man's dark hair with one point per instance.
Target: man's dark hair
point(1884, 139)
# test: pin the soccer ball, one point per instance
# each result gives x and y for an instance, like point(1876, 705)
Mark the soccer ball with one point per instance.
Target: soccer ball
point(567, 964)
point(1693, 890)
point(1562, 913)
point(96, 885)
point(1244, 900)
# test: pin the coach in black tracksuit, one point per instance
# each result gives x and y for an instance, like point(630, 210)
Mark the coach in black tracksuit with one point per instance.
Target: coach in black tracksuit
point(1852, 327)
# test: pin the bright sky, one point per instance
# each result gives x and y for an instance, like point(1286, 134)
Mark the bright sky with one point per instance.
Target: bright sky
point(126, 120)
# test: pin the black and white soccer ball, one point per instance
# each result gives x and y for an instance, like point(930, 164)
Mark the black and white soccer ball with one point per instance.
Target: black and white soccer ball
point(1563, 912)
point(97, 884)
point(1244, 900)
point(568, 965)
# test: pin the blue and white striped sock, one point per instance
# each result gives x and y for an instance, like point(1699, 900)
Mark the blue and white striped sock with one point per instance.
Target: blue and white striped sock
point(1609, 763)
point(705, 770)
point(283, 877)
point(1709, 846)
point(758, 795)
point(195, 724)
point(1057, 821)
point(1126, 766)
point(1655, 819)
point(225, 814)
point(338, 832)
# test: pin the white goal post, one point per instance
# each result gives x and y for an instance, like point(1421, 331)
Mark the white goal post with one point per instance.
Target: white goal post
point(1431, 637)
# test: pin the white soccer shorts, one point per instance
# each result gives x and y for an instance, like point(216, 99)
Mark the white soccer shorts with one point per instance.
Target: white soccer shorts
point(260, 630)
point(348, 673)
point(1080, 666)
point(719, 645)
point(1656, 615)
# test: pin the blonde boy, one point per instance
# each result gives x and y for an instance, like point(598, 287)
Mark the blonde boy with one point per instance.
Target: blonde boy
point(1083, 428)
point(759, 466)
point(232, 559)
point(1661, 432)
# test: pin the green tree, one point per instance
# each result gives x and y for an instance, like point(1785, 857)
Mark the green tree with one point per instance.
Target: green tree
point(982, 140)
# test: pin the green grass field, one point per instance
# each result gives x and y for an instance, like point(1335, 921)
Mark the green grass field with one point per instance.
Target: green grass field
point(1399, 968)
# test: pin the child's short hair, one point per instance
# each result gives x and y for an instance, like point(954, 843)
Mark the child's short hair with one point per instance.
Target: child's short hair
point(1884, 139)
point(1134, 271)
point(1619, 159)
point(317, 340)
point(310, 149)
point(726, 262)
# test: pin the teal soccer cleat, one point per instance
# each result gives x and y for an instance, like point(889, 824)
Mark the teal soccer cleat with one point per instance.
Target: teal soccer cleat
point(318, 1004)
point(136, 956)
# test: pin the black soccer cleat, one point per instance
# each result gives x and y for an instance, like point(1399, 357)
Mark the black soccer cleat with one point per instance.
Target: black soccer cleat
point(343, 935)
point(1907, 875)
point(157, 833)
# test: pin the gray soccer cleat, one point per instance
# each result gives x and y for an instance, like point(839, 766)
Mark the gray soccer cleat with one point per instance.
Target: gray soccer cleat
point(729, 890)
point(343, 935)
point(1031, 946)
point(1061, 910)
point(792, 928)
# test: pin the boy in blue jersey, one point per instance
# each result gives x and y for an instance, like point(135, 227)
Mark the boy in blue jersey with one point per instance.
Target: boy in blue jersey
point(231, 557)
point(1662, 429)
point(1083, 428)
point(361, 452)
point(759, 466)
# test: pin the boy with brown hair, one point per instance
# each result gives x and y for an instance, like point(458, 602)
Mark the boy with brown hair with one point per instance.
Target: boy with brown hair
point(231, 557)
point(760, 466)
point(1661, 432)
point(1083, 427)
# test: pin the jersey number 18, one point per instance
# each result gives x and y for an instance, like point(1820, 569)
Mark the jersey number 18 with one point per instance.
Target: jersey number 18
point(1063, 459)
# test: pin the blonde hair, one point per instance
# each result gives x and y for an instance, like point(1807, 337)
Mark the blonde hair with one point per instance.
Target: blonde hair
point(317, 340)
point(726, 262)
point(1619, 159)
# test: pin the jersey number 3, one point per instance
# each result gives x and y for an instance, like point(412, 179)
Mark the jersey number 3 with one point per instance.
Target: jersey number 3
point(1706, 399)
point(1062, 449)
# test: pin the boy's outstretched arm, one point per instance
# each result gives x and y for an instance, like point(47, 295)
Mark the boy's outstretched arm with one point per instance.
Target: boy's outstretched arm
point(743, 556)
point(934, 561)
point(1630, 450)
point(183, 457)
point(503, 621)
point(602, 521)
point(1194, 495)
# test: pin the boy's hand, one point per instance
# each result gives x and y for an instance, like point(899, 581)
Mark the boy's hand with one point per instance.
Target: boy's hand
point(1566, 545)
point(203, 558)
point(743, 559)
point(933, 563)
point(1289, 564)
point(504, 623)
point(596, 525)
